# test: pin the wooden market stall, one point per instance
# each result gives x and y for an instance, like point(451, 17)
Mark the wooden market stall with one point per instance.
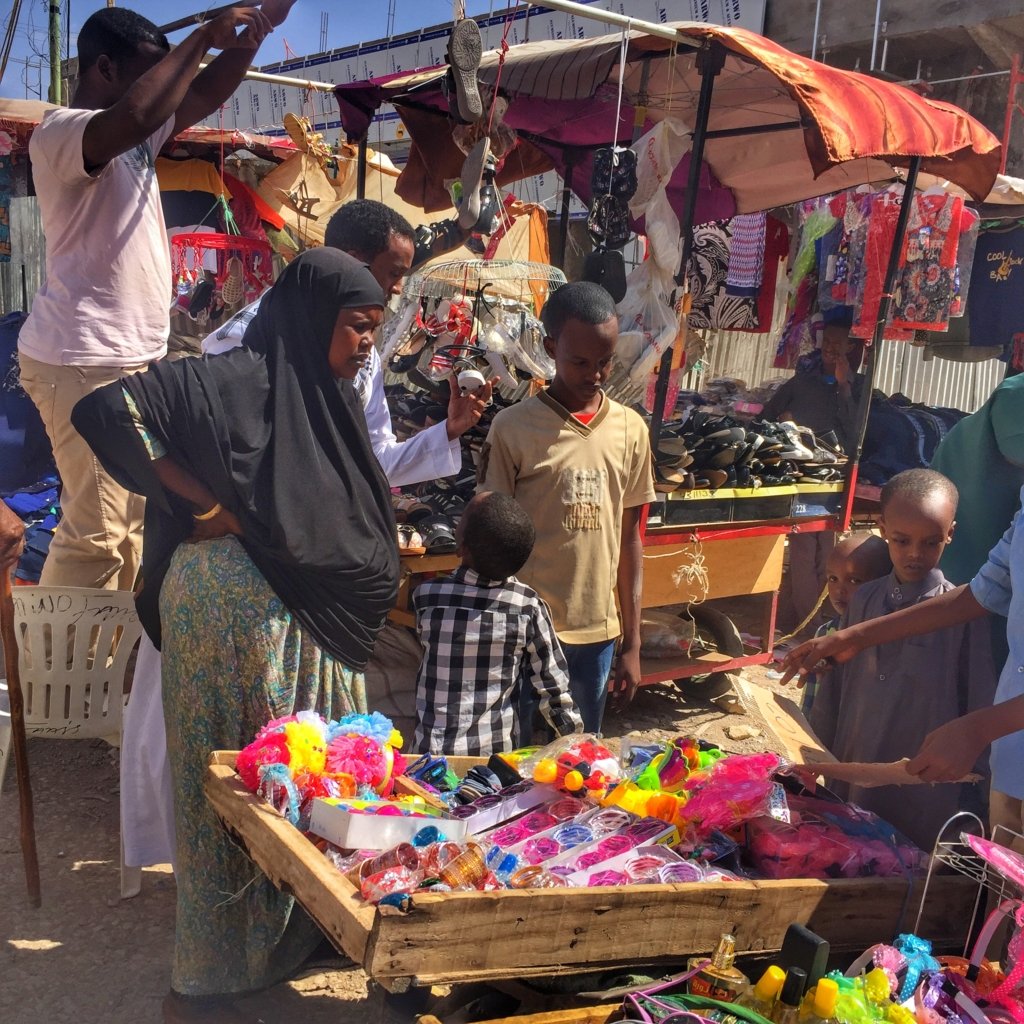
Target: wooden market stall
point(774, 129)
point(476, 936)
point(768, 128)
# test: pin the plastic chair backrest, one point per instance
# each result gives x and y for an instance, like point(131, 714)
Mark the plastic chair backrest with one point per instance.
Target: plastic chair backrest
point(73, 650)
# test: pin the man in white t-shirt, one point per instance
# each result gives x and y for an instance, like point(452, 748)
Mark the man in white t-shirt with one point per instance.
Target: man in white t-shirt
point(103, 310)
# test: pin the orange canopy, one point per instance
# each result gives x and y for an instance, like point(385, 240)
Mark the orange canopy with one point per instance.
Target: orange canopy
point(781, 127)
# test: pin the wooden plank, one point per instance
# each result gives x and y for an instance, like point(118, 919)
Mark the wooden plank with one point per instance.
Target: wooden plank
point(582, 1015)
point(290, 860)
point(741, 565)
point(477, 936)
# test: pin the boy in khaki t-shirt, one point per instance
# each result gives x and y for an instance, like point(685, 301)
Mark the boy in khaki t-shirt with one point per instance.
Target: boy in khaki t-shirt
point(580, 464)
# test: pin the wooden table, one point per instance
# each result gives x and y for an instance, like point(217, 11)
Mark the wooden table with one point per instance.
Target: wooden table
point(470, 936)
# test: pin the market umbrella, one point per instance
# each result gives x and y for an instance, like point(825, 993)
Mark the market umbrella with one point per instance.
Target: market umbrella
point(768, 125)
point(780, 127)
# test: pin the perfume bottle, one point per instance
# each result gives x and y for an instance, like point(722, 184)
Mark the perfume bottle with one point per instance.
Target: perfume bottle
point(719, 979)
point(761, 998)
point(787, 1009)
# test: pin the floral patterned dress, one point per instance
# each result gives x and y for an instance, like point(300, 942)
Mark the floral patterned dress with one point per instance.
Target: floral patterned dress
point(233, 658)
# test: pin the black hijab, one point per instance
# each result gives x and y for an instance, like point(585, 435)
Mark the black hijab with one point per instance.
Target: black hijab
point(282, 444)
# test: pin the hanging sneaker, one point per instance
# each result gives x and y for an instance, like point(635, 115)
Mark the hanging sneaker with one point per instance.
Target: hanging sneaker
point(465, 48)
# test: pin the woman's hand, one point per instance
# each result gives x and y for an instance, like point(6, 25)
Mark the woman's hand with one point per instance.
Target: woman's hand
point(818, 655)
point(224, 524)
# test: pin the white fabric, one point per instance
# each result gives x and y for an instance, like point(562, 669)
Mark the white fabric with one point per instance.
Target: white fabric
point(107, 294)
point(147, 804)
point(147, 810)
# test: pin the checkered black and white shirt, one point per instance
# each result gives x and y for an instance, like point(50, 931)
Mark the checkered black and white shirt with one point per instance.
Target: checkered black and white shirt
point(482, 641)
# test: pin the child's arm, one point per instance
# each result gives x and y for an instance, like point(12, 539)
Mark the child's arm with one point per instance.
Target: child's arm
point(950, 752)
point(950, 609)
point(549, 674)
point(629, 586)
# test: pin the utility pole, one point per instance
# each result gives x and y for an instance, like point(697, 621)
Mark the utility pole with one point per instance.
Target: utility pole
point(54, 95)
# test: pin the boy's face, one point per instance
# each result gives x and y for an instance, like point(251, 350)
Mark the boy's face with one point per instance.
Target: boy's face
point(845, 575)
point(917, 532)
point(583, 358)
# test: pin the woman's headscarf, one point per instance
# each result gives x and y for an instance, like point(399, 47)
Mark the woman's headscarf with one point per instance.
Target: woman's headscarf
point(282, 444)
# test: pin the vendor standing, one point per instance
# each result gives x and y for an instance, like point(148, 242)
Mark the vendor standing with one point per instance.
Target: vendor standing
point(824, 397)
point(103, 309)
point(271, 565)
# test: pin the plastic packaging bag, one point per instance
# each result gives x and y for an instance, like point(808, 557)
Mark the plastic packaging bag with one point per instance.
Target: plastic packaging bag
point(664, 635)
point(829, 840)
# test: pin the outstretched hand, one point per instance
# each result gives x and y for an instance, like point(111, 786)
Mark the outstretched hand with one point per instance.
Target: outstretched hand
point(464, 411)
point(818, 655)
point(222, 32)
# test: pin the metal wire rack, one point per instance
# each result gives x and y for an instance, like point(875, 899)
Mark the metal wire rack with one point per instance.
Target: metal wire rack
point(952, 851)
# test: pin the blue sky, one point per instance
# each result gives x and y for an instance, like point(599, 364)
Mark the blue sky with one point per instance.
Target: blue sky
point(348, 22)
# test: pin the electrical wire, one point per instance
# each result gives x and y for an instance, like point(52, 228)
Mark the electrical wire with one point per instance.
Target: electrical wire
point(11, 30)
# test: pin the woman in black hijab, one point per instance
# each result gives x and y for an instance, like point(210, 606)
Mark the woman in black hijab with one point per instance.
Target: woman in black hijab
point(261, 456)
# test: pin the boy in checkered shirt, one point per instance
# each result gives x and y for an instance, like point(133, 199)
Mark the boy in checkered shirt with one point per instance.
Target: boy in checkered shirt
point(485, 635)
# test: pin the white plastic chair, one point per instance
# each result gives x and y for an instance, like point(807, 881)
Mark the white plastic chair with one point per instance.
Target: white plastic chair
point(73, 650)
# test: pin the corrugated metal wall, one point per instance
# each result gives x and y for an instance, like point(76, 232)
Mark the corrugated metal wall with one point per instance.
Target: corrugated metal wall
point(901, 368)
point(21, 278)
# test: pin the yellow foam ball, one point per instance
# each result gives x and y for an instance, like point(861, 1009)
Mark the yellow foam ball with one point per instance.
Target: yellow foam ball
point(546, 771)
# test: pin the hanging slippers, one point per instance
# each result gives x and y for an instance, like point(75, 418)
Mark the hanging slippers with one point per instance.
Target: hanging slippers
point(465, 48)
point(470, 181)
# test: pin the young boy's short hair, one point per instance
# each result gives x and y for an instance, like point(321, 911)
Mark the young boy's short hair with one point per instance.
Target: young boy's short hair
point(918, 484)
point(498, 536)
point(581, 300)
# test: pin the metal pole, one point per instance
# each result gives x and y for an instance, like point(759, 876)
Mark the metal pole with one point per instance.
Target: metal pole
point(817, 25)
point(563, 219)
point(710, 62)
point(298, 83)
point(650, 28)
point(54, 95)
point(361, 170)
point(874, 38)
point(891, 270)
point(1011, 104)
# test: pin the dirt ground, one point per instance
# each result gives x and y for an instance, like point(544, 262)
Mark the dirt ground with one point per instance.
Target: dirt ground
point(87, 957)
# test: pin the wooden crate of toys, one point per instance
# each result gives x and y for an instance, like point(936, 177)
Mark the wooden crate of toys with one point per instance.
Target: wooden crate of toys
point(404, 934)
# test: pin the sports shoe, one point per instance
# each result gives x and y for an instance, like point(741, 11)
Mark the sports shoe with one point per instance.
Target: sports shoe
point(465, 49)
